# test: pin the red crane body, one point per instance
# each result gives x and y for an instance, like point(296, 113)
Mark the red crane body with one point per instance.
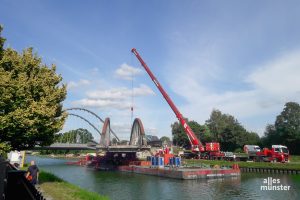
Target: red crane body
point(195, 142)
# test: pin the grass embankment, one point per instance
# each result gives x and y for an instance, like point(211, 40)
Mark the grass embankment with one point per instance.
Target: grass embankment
point(293, 165)
point(295, 159)
point(59, 189)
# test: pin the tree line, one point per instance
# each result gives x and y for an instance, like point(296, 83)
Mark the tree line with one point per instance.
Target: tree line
point(78, 136)
point(232, 135)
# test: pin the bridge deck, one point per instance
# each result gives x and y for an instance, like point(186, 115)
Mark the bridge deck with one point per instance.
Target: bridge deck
point(125, 148)
point(73, 146)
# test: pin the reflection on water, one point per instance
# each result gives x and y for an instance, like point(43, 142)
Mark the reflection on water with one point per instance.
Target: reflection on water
point(121, 185)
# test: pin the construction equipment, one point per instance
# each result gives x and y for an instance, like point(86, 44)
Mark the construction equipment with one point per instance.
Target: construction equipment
point(278, 153)
point(196, 144)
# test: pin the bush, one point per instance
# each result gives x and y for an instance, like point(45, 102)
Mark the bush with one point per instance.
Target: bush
point(238, 150)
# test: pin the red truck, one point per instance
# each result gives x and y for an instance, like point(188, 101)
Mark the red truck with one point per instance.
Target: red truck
point(212, 151)
point(278, 153)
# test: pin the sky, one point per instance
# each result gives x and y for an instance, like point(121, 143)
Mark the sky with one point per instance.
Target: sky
point(240, 57)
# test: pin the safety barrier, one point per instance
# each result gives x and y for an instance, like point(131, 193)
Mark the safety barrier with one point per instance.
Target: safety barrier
point(14, 185)
point(3, 178)
point(269, 171)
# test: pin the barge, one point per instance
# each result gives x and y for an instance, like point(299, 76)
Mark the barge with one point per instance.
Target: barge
point(167, 166)
point(183, 172)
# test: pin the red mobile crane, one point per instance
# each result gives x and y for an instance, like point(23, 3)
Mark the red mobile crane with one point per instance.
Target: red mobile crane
point(195, 142)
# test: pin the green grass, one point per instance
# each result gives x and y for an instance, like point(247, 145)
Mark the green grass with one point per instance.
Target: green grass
point(295, 158)
point(45, 177)
point(59, 189)
point(267, 165)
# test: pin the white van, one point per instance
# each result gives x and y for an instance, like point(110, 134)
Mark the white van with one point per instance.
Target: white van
point(251, 150)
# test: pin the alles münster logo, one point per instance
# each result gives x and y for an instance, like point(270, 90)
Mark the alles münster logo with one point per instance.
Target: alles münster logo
point(270, 184)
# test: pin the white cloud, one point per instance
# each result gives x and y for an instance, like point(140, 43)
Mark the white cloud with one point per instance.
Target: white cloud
point(279, 77)
point(103, 103)
point(127, 72)
point(151, 131)
point(115, 93)
point(271, 86)
point(81, 82)
point(118, 98)
point(120, 93)
point(143, 90)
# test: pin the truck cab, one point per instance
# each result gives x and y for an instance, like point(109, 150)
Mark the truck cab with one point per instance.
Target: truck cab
point(278, 153)
point(281, 153)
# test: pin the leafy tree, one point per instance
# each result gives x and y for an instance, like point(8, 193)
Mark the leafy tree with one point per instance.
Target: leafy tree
point(253, 138)
point(229, 132)
point(79, 136)
point(31, 95)
point(114, 141)
point(2, 40)
point(222, 128)
point(179, 136)
point(196, 127)
point(205, 134)
point(270, 136)
point(4, 148)
point(287, 127)
point(165, 139)
point(217, 124)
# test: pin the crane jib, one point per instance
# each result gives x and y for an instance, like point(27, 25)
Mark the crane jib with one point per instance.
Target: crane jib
point(191, 135)
point(189, 131)
point(155, 82)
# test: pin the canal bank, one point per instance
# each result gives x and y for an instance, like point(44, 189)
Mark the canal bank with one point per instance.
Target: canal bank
point(269, 171)
point(259, 167)
point(55, 188)
point(118, 185)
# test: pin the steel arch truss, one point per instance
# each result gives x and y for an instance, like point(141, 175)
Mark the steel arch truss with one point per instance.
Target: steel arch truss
point(105, 135)
point(137, 136)
point(84, 119)
point(94, 114)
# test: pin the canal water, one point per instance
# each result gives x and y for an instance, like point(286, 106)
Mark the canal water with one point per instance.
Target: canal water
point(121, 185)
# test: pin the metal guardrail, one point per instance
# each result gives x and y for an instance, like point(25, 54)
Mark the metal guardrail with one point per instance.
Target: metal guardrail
point(3, 178)
point(14, 185)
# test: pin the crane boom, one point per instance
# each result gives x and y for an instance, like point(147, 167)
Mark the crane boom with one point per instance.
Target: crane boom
point(195, 142)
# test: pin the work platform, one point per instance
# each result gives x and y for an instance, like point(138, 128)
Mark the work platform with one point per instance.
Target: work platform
point(182, 173)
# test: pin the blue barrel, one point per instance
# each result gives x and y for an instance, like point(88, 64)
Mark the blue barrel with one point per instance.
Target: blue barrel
point(171, 162)
point(177, 161)
point(156, 161)
point(152, 160)
point(160, 161)
point(149, 158)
